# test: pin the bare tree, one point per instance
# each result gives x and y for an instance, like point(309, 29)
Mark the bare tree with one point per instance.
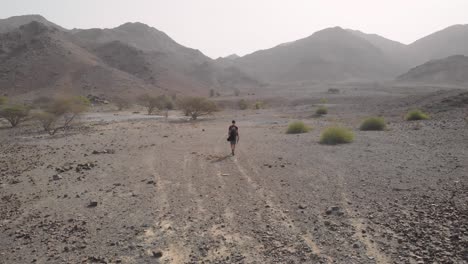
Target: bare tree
point(63, 111)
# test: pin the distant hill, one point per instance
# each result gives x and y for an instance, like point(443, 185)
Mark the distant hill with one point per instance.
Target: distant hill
point(132, 57)
point(330, 54)
point(36, 59)
point(451, 70)
point(447, 42)
point(15, 22)
point(38, 56)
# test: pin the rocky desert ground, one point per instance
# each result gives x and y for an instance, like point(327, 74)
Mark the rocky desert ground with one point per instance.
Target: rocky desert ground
point(133, 189)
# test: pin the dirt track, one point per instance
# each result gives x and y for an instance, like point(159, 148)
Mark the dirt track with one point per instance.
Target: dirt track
point(397, 196)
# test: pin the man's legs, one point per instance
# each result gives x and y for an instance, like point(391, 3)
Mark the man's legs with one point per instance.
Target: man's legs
point(233, 148)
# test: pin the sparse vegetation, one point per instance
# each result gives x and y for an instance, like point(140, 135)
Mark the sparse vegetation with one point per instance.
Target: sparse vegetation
point(323, 101)
point(297, 127)
point(236, 92)
point(259, 105)
point(333, 91)
point(14, 113)
point(197, 106)
point(322, 110)
point(373, 124)
point(152, 103)
point(243, 105)
point(336, 135)
point(3, 100)
point(61, 110)
point(212, 93)
point(122, 103)
point(416, 115)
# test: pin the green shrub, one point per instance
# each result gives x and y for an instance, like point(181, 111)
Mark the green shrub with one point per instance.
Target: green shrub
point(336, 135)
point(14, 113)
point(416, 115)
point(259, 105)
point(323, 100)
point(322, 110)
point(297, 127)
point(243, 105)
point(197, 106)
point(373, 124)
point(152, 103)
point(3, 100)
point(59, 113)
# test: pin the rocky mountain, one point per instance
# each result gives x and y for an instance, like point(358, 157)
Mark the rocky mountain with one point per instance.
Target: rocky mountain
point(452, 70)
point(330, 54)
point(37, 56)
point(132, 57)
point(12, 23)
point(447, 42)
point(36, 59)
point(397, 53)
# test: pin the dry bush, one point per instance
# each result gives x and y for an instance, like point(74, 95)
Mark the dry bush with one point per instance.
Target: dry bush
point(373, 124)
point(336, 135)
point(259, 105)
point(122, 103)
point(152, 103)
point(243, 105)
point(60, 113)
point(14, 113)
point(322, 110)
point(416, 115)
point(197, 106)
point(297, 127)
point(3, 100)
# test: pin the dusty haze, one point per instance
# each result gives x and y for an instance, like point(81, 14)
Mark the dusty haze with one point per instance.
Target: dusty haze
point(220, 28)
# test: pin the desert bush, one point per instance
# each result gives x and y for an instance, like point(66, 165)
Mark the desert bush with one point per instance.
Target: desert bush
point(60, 113)
point(416, 115)
point(243, 105)
point(3, 100)
point(297, 127)
point(14, 113)
point(373, 124)
point(236, 92)
point(333, 91)
point(323, 101)
point(122, 103)
point(259, 105)
point(197, 106)
point(212, 93)
point(322, 110)
point(336, 135)
point(152, 103)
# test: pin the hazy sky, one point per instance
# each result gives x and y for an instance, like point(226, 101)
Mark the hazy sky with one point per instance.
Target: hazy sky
point(222, 27)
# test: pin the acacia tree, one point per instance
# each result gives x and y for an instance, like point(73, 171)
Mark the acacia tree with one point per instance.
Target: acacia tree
point(121, 103)
point(152, 103)
point(197, 106)
point(60, 113)
point(14, 113)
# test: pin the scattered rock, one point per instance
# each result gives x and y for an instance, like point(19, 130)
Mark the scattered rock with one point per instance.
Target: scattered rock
point(93, 204)
point(157, 254)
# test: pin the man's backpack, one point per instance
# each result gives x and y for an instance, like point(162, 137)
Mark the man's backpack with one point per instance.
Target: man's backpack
point(232, 133)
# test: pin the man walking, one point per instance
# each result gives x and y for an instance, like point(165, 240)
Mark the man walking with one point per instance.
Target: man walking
point(233, 136)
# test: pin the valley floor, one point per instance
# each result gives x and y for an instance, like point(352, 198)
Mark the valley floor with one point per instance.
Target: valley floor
point(170, 192)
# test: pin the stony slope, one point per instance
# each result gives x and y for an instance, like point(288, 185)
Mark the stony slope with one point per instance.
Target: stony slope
point(36, 59)
point(451, 70)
